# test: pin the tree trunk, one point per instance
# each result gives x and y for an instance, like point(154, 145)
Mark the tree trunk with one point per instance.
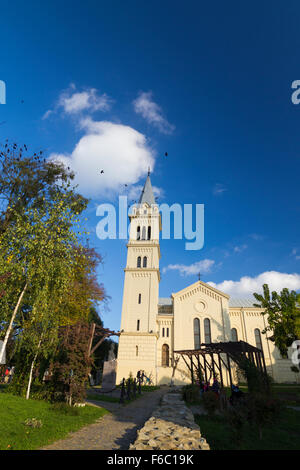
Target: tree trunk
point(31, 371)
point(11, 324)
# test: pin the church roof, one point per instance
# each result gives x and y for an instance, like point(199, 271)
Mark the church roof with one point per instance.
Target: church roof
point(242, 302)
point(165, 301)
point(147, 195)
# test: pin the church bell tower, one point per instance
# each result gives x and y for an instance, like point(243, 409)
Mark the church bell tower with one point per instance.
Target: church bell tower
point(137, 343)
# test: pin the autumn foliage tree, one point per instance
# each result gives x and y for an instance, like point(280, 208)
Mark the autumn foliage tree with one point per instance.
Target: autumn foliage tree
point(72, 363)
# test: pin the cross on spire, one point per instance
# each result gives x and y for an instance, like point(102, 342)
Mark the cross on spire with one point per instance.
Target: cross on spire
point(199, 276)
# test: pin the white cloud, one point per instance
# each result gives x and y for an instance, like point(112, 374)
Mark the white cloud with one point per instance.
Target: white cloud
point(73, 102)
point(152, 112)
point(256, 236)
point(248, 285)
point(203, 266)
point(119, 150)
point(240, 248)
point(219, 189)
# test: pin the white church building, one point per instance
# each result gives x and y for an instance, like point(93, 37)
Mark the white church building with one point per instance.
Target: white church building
point(152, 328)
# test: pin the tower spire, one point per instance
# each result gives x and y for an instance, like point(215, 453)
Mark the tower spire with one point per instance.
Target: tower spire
point(147, 195)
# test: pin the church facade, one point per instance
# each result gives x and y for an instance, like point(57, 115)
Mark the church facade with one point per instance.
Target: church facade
point(152, 328)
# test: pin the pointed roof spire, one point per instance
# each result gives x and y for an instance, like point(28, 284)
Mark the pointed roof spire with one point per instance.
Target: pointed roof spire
point(147, 195)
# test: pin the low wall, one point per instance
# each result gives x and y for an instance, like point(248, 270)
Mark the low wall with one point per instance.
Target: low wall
point(171, 427)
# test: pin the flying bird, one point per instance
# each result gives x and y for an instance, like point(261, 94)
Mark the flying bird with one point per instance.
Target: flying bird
point(102, 172)
point(166, 154)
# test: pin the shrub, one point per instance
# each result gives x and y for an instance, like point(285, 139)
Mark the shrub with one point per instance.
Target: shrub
point(190, 393)
point(258, 381)
point(263, 410)
point(211, 402)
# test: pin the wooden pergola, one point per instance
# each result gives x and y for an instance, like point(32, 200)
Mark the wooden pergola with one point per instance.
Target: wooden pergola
point(211, 358)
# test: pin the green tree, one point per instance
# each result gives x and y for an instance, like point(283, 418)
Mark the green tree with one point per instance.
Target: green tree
point(38, 247)
point(27, 180)
point(283, 316)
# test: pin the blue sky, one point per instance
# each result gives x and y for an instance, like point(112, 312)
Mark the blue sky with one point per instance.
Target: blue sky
point(208, 83)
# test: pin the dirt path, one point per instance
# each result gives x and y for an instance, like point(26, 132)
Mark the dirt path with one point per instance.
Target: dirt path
point(116, 430)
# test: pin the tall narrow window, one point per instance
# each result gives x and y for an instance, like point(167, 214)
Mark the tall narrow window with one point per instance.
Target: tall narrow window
point(138, 235)
point(234, 335)
point(207, 332)
point(136, 351)
point(144, 233)
point(165, 356)
point(258, 338)
point(163, 332)
point(140, 298)
point(139, 262)
point(138, 325)
point(167, 332)
point(149, 233)
point(145, 262)
point(197, 339)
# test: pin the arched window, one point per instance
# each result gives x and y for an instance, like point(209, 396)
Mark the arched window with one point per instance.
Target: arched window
point(149, 233)
point(138, 235)
point(139, 262)
point(234, 335)
point(207, 332)
point(163, 332)
point(165, 356)
point(145, 262)
point(144, 233)
point(197, 339)
point(258, 338)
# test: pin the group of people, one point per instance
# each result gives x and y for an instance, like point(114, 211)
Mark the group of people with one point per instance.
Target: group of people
point(236, 393)
point(205, 386)
point(141, 377)
point(7, 375)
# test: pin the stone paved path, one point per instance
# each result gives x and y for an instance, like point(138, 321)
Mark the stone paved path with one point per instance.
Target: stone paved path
point(116, 430)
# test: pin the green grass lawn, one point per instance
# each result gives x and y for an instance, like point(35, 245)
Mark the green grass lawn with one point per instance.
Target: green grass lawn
point(283, 435)
point(56, 424)
point(101, 397)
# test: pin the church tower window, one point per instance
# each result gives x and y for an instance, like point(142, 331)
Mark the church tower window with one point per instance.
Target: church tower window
point(207, 331)
point(144, 233)
point(140, 298)
point(165, 356)
point(197, 339)
point(149, 233)
point(138, 235)
point(139, 262)
point(136, 351)
point(145, 262)
point(138, 325)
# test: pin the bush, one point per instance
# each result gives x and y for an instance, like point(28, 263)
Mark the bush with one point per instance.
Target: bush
point(211, 402)
point(263, 410)
point(257, 381)
point(190, 393)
